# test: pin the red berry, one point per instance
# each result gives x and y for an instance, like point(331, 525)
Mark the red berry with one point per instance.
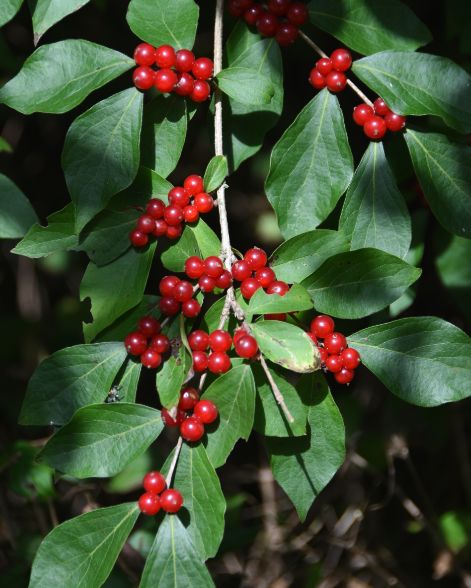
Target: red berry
point(239, 333)
point(335, 343)
point(278, 7)
point(225, 280)
point(324, 66)
point(323, 354)
point(252, 14)
point(241, 270)
point(206, 283)
point(191, 308)
point(149, 326)
point(169, 421)
point(173, 215)
point(184, 60)
point(213, 266)
point(297, 13)
point(165, 80)
point(144, 54)
point(135, 343)
point(344, 376)
point(237, 7)
point(256, 258)
point(200, 361)
point(167, 284)
point(145, 224)
point(381, 108)
point(278, 287)
point(336, 81)
point(322, 326)
point(185, 84)
point(219, 362)
point(341, 59)
point(220, 340)
point(192, 429)
point(178, 196)
point(143, 77)
point(160, 228)
point(174, 231)
point(160, 342)
point(316, 79)
point(206, 411)
point(286, 34)
point(333, 363)
point(183, 291)
point(165, 56)
point(138, 238)
point(149, 504)
point(313, 338)
point(248, 287)
point(171, 500)
point(188, 398)
point(275, 316)
point(265, 276)
point(201, 91)
point(362, 113)
point(246, 347)
point(194, 267)
point(350, 358)
point(198, 340)
point(193, 184)
point(155, 208)
point(395, 122)
point(154, 482)
point(202, 68)
point(169, 306)
point(203, 202)
point(267, 24)
point(151, 359)
point(375, 127)
point(191, 214)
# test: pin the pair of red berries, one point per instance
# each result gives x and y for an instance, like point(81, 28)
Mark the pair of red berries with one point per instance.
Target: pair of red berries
point(148, 342)
point(178, 71)
point(158, 497)
point(209, 272)
point(176, 296)
point(253, 273)
point(335, 354)
point(378, 120)
point(280, 18)
point(186, 203)
point(329, 71)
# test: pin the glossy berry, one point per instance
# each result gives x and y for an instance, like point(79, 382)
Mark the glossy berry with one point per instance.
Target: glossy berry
point(206, 411)
point(193, 184)
point(183, 291)
point(225, 280)
point(334, 363)
point(165, 57)
point(167, 284)
point(174, 231)
point(322, 326)
point(297, 13)
point(192, 429)
point(135, 343)
point(256, 258)
point(169, 421)
point(160, 228)
point(191, 214)
point(165, 80)
point(138, 238)
point(149, 326)
point(185, 85)
point(149, 504)
point(169, 306)
point(350, 358)
point(184, 60)
point(145, 224)
point(144, 54)
point(335, 81)
point(241, 270)
point(201, 91)
point(248, 287)
point(191, 308)
point(219, 362)
point(173, 215)
point(381, 108)
point(362, 113)
point(316, 79)
point(154, 482)
point(198, 340)
point(160, 342)
point(194, 267)
point(395, 122)
point(155, 208)
point(267, 24)
point(335, 343)
point(252, 14)
point(278, 7)
point(202, 68)
point(246, 347)
point(324, 66)
point(143, 77)
point(200, 361)
point(278, 287)
point(189, 397)
point(237, 7)
point(344, 376)
point(341, 59)
point(203, 202)
point(239, 333)
point(151, 358)
point(375, 127)
point(286, 34)
point(213, 266)
point(171, 500)
point(220, 340)
point(178, 196)
point(206, 283)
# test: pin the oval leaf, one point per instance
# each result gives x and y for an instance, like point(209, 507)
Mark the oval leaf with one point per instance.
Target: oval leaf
point(16, 213)
point(178, 252)
point(46, 13)
point(245, 85)
point(8, 9)
point(170, 378)
point(216, 172)
point(296, 299)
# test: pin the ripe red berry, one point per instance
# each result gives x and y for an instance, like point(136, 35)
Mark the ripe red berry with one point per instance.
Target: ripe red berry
point(165, 56)
point(160, 228)
point(198, 340)
point(237, 7)
point(185, 84)
point(256, 258)
point(286, 34)
point(191, 308)
point(144, 54)
point(192, 429)
point(395, 122)
point(206, 283)
point(362, 113)
point(241, 270)
point(169, 421)
point(173, 215)
point(225, 280)
point(375, 127)
point(135, 343)
point(344, 376)
point(189, 397)
point(297, 13)
point(341, 59)
point(278, 7)
point(213, 266)
point(182, 291)
point(154, 482)
point(174, 231)
point(267, 24)
point(201, 91)
point(333, 363)
point(275, 316)
point(167, 284)
point(171, 501)
point(203, 202)
point(202, 68)
point(191, 214)
point(335, 343)
point(194, 267)
point(239, 333)
point(335, 81)
point(252, 14)
point(322, 326)
point(145, 224)
point(381, 108)
point(143, 77)
point(278, 287)
point(206, 411)
point(265, 276)
point(160, 342)
point(219, 362)
point(151, 359)
point(193, 184)
point(138, 238)
point(246, 347)
point(155, 208)
point(149, 326)
point(324, 66)
point(220, 340)
point(169, 306)
point(350, 358)
point(248, 287)
point(184, 60)
point(149, 504)
point(178, 196)
point(200, 361)
point(165, 80)
point(316, 79)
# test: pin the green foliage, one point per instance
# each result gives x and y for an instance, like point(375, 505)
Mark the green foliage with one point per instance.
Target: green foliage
point(16, 213)
point(171, 376)
point(297, 298)
point(8, 9)
point(46, 13)
point(246, 86)
point(216, 172)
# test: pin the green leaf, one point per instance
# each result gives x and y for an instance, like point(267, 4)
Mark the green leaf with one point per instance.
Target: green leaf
point(8, 9)
point(359, 283)
point(370, 27)
point(246, 86)
point(5, 147)
point(269, 419)
point(128, 321)
point(286, 345)
point(420, 84)
point(59, 76)
point(166, 22)
point(101, 439)
point(101, 152)
point(207, 240)
point(304, 466)
point(456, 529)
point(115, 288)
point(423, 360)
point(46, 13)
point(171, 377)
point(177, 253)
point(216, 172)
point(16, 213)
point(444, 172)
point(296, 299)
point(234, 395)
point(163, 133)
point(69, 379)
point(454, 273)
point(129, 380)
point(298, 257)
point(174, 561)
point(212, 318)
point(147, 184)
point(374, 213)
point(82, 551)
point(310, 167)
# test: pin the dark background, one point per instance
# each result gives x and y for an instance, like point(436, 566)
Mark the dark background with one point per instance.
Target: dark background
point(397, 514)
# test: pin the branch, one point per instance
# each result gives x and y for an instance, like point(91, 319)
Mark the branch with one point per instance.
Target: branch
point(173, 465)
point(276, 391)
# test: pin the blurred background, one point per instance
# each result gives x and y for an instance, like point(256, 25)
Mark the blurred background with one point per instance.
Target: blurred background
point(398, 513)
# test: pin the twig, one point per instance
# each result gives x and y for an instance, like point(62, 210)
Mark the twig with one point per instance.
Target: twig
point(311, 43)
point(173, 465)
point(276, 391)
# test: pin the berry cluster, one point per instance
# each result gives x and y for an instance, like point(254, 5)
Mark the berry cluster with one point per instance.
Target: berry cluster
point(279, 19)
point(176, 296)
point(329, 71)
point(177, 71)
point(209, 272)
point(252, 273)
point(148, 342)
point(186, 203)
point(335, 354)
point(157, 497)
point(377, 120)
